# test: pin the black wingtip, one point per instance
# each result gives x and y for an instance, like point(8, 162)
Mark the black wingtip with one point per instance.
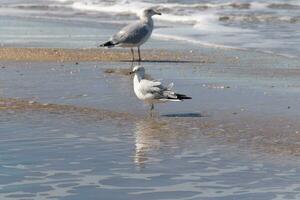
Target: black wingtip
point(107, 44)
point(182, 97)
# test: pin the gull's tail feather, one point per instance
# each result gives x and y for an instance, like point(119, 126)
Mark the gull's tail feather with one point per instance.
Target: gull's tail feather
point(107, 44)
point(182, 96)
point(168, 100)
point(172, 96)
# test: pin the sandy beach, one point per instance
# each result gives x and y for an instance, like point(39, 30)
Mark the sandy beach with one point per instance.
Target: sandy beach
point(71, 126)
point(243, 111)
point(240, 122)
point(254, 114)
point(78, 55)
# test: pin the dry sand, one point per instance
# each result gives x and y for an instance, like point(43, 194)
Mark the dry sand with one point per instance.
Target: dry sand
point(233, 64)
point(76, 55)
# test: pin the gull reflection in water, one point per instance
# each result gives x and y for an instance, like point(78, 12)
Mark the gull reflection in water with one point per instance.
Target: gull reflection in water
point(150, 137)
point(146, 139)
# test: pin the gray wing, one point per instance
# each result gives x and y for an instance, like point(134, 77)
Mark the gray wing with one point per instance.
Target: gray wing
point(132, 33)
point(147, 86)
point(156, 89)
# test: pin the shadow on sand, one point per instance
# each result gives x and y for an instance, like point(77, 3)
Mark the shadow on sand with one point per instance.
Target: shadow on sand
point(166, 61)
point(184, 115)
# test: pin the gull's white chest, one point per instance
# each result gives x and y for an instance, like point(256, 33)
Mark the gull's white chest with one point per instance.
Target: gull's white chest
point(138, 90)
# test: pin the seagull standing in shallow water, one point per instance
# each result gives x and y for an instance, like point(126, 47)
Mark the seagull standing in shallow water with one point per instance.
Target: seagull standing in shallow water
point(135, 34)
point(152, 92)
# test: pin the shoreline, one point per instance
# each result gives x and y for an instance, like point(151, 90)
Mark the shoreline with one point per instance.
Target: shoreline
point(251, 118)
point(238, 63)
point(263, 135)
point(71, 55)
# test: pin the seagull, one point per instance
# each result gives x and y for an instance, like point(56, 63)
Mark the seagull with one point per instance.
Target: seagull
point(152, 92)
point(135, 34)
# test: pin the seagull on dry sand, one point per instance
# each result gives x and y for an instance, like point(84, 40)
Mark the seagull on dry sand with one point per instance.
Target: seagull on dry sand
point(152, 92)
point(135, 34)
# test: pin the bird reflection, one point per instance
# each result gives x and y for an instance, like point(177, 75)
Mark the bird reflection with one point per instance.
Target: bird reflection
point(149, 135)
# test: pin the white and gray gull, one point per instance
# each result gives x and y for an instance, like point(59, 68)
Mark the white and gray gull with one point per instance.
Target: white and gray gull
point(135, 34)
point(152, 92)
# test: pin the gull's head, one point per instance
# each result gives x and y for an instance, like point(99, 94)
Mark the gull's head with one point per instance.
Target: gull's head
point(149, 12)
point(138, 70)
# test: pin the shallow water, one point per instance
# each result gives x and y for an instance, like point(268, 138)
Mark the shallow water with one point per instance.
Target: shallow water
point(189, 152)
point(220, 86)
point(52, 156)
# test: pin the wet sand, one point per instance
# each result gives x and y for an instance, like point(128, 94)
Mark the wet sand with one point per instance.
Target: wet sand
point(275, 135)
point(72, 127)
point(19, 105)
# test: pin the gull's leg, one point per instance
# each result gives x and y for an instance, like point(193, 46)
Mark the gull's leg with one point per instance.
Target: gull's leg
point(151, 109)
point(132, 53)
point(132, 65)
point(139, 54)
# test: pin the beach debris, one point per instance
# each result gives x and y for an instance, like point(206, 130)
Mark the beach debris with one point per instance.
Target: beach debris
point(31, 102)
point(75, 96)
point(125, 72)
point(212, 86)
point(223, 18)
point(109, 71)
point(241, 5)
